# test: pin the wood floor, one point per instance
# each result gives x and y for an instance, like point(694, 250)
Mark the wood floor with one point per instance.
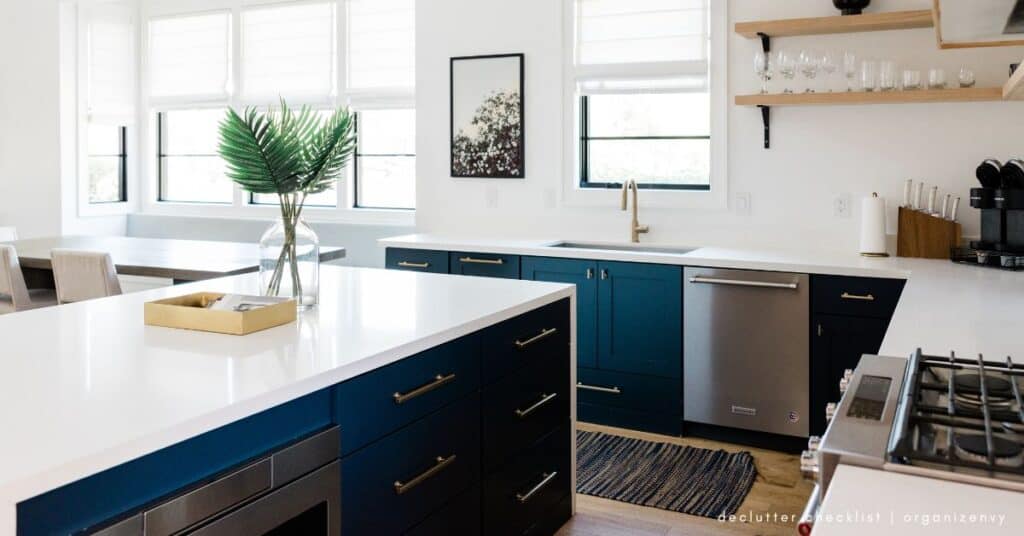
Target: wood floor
point(778, 491)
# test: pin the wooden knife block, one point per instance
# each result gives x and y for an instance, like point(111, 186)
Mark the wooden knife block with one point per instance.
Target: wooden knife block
point(924, 236)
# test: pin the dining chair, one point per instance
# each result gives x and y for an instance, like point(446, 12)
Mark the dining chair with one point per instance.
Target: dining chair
point(83, 275)
point(8, 234)
point(14, 295)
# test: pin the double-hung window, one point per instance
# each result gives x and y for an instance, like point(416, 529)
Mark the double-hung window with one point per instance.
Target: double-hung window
point(642, 93)
point(109, 61)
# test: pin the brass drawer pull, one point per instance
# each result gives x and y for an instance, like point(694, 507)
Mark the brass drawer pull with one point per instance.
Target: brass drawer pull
point(546, 479)
point(407, 264)
point(544, 333)
point(544, 399)
point(441, 463)
point(471, 260)
point(439, 380)
point(598, 388)
point(860, 297)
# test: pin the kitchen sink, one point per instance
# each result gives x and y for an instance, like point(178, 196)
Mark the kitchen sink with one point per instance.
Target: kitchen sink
point(637, 248)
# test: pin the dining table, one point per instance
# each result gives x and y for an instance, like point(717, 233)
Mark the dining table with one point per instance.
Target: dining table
point(180, 260)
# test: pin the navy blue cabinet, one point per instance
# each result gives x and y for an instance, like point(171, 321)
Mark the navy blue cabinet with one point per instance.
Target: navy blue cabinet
point(416, 260)
point(583, 274)
point(484, 264)
point(640, 318)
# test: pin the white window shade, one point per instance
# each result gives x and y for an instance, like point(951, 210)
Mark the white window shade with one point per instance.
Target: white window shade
point(381, 44)
point(288, 50)
point(189, 56)
point(110, 63)
point(641, 31)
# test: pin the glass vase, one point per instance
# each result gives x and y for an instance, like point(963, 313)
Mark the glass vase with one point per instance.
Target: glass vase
point(290, 263)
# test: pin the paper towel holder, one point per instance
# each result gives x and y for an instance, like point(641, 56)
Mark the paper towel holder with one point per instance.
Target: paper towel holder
point(873, 254)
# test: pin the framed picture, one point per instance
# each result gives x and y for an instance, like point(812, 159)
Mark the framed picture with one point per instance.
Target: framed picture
point(487, 117)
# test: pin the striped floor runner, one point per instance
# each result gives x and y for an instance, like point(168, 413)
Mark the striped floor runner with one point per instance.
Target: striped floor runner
point(661, 475)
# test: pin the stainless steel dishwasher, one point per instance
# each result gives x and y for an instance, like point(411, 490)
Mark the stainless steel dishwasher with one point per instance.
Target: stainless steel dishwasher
point(747, 350)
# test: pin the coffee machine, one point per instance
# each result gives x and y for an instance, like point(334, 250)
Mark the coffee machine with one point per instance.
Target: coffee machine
point(1000, 200)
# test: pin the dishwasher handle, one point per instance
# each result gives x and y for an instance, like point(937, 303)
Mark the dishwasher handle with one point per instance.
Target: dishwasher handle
point(742, 283)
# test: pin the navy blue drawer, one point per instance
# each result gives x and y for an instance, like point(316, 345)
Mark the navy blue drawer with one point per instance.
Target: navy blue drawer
point(629, 391)
point(397, 482)
point(855, 296)
point(656, 423)
point(522, 493)
point(416, 260)
point(524, 407)
point(386, 399)
point(460, 517)
point(484, 264)
point(525, 339)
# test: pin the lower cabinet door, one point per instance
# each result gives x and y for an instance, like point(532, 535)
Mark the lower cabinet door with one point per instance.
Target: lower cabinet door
point(633, 401)
point(460, 517)
point(583, 274)
point(391, 485)
point(523, 491)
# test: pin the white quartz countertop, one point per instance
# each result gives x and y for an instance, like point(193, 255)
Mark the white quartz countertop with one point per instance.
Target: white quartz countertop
point(868, 501)
point(944, 307)
point(87, 386)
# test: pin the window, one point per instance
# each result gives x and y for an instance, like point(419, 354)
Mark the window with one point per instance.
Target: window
point(107, 163)
point(189, 167)
point(288, 50)
point(642, 94)
point(385, 163)
point(189, 56)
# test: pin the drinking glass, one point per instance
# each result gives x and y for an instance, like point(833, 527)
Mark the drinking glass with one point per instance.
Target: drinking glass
point(786, 65)
point(830, 64)
point(887, 75)
point(936, 79)
point(911, 79)
point(869, 75)
point(849, 68)
point(810, 62)
point(761, 67)
point(966, 77)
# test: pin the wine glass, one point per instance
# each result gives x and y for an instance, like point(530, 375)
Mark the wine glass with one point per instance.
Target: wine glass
point(763, 69)
point(830, 64)
point(786, 65)
point(849, 68)
point(966, 77)
point(810, 62)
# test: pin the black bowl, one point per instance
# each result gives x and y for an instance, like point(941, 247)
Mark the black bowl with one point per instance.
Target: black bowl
point(851, 7)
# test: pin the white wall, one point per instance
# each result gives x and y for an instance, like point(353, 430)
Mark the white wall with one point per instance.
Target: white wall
point(817, 154)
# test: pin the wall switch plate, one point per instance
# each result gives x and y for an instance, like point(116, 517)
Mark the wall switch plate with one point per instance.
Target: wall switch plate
point(741, 203)
point(842, 205)
point(491, 196)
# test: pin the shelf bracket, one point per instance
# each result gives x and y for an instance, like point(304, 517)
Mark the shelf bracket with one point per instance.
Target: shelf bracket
point(766, 42)
point(766, 112)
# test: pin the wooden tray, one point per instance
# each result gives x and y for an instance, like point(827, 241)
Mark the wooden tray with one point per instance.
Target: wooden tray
point(189, 312)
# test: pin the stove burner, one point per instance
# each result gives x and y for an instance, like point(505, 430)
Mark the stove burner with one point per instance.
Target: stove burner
point(996, 386)
point(972, 447)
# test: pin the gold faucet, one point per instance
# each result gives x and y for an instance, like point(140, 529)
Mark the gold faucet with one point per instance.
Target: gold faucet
point(635, 229)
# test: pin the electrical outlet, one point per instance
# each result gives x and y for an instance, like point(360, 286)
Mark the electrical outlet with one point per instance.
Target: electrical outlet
point(741, 203)
point(841, 206)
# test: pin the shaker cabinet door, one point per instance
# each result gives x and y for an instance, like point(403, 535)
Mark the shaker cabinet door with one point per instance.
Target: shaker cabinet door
point(583, 274)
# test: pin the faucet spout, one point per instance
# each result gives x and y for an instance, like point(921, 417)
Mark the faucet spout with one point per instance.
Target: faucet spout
point(635, 228)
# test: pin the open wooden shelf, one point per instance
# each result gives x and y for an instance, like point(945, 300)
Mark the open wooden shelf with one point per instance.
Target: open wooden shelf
point(974, 94)
point(1014, 87)
point(868, 22)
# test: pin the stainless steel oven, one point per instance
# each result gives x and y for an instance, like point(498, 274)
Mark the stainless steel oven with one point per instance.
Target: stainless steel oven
point(294, 490)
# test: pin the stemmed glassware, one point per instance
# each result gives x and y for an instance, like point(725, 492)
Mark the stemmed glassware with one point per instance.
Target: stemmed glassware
point(849, 68)
point(830, 64)
point(785, 64)
point(810, 62)
point(763, 68)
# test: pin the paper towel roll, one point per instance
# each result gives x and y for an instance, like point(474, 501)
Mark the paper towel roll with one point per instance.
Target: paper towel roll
point(872, 226)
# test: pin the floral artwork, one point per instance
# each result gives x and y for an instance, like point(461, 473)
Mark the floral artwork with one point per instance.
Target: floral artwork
point(487, 117)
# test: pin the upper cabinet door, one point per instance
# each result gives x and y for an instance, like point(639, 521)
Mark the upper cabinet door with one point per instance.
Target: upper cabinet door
point(640, 318)
point(583, 274)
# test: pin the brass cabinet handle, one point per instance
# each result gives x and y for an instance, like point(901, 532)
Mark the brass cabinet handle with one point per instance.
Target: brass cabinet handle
point(544, 399)
point(439, 380)
point(546, 479)
point(407, 264)
point(471, 260)
point(441, 463)
point(604, 274)
point(590, 273)
point(544, 333)
point(598, 388)
point(860, 297)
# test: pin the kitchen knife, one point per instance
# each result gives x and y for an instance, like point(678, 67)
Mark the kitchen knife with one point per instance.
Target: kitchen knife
point(956, 208)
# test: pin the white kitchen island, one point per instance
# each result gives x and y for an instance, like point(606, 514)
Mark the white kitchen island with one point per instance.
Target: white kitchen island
point(86, 387)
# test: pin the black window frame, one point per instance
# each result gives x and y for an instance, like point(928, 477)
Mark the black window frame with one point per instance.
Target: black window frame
point(161, 172)
point(356, 155)
point(584, 156)
point(122, 164)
